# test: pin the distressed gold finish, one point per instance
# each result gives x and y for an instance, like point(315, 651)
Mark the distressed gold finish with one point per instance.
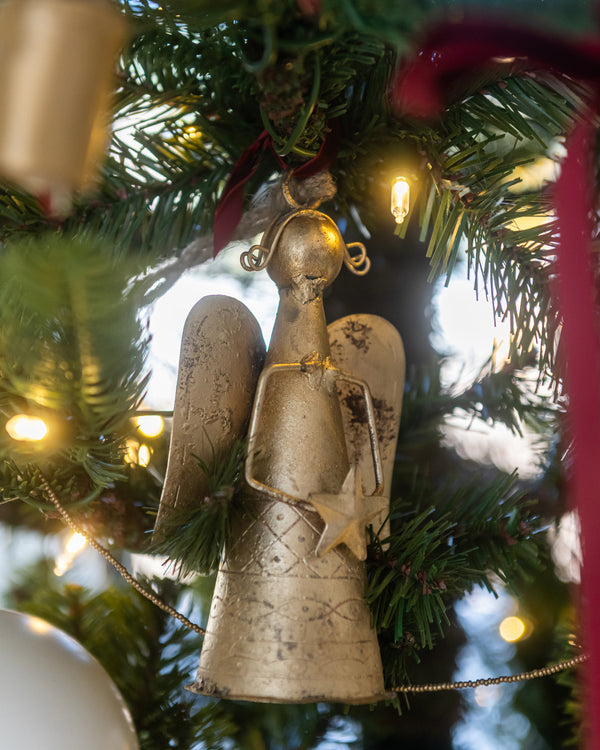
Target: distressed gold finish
point(371, 349)
point(323, 367)
point(259, 256)
point(222, 352)
point(346, 514)
point(288, 621)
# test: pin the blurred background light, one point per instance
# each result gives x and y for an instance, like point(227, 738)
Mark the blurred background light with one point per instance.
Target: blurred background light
point(27, 428)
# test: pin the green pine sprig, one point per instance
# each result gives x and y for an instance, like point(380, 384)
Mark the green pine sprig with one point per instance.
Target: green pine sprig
point(196, 536)
point(474, 536)
point(72, 351)
point(198, 84)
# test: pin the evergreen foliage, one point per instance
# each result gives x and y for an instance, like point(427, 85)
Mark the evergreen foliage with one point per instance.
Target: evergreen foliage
point(197, 86)
point(464, 539)
point(505, 396)
point(72, 352)
point(197, 535)
point(198, 82)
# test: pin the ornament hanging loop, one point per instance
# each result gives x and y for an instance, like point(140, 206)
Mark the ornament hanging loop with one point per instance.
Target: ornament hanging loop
point(289, 198)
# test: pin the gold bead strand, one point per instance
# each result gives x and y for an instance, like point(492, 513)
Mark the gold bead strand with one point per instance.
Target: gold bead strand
point(121, 569)
point(423, 688)
point(436, 687)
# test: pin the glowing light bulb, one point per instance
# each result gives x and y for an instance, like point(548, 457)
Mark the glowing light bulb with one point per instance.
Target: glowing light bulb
point(400, 199)
point(76, 543)
point(137, 454)
point(131, 454)
point(193, 132)
point(26, 427)
point(150, 425)
point(512, 628)
point(144, 455)
point(73, 547)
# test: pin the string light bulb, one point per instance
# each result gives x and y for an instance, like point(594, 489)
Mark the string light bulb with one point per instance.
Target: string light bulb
point(144, 455)
point(73, 547)
point(137, 454)
point(26, 428)
point(400, 199)
point(76, 543)
point(150, 425)
point(513, 629)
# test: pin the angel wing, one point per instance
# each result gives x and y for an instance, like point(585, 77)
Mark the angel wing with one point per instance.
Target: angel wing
point(222, 354)
point(370, 348)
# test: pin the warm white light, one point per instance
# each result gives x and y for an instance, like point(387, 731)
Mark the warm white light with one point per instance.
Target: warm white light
point(62, 565)
point(150, 425)
point(73, 547)
point(512, 628)
point(400, 199)
point(131, 453)
point(137, 454)
point(76, 543)
point(25, 427)
point(144, 455)
point(41, 627)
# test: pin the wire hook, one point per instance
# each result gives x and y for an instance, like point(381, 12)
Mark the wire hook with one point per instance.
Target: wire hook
point(360, 263)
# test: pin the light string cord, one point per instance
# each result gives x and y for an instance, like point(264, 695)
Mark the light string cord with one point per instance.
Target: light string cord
point(437, 687)
point(433, 687)
point(121, 569)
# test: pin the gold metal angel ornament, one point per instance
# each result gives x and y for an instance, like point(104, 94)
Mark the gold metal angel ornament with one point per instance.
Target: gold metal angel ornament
point(288, 622)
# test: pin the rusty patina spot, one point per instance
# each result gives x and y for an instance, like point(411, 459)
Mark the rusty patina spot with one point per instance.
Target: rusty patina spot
point(358, 333)
point(206, 686)
point(355, 404)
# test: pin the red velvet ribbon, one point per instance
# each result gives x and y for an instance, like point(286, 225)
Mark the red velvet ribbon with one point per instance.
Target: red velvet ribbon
point(448, 56)
point(452, 52)
point(230, 207)
point(575, 291)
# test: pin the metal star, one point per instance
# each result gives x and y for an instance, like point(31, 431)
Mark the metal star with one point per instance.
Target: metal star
point(346, 516)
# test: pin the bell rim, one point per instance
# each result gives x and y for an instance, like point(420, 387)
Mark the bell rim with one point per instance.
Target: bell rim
point(214, 692)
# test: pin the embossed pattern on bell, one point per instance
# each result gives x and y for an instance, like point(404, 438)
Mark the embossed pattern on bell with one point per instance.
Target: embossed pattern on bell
point(284, 624)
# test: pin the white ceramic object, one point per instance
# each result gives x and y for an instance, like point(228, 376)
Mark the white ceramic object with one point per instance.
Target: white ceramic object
point(53, 694)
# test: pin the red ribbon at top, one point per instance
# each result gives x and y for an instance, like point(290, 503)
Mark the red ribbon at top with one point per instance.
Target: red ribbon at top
point(230, 207)
point(449, 56)
point(453, 51)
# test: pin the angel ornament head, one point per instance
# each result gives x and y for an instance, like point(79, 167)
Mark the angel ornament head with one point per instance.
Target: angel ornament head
point(320, 413)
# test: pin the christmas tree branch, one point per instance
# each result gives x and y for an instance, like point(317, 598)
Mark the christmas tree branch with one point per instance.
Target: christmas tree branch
point(72, 353)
